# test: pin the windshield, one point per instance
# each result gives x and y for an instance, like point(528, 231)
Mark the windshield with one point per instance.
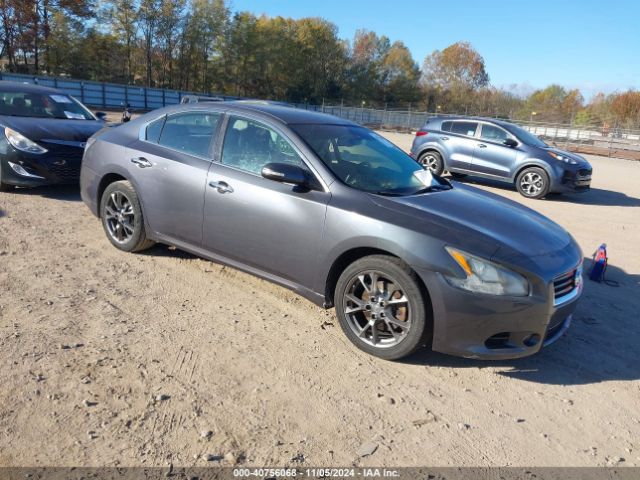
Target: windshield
point(366, 161)
point(527, 137)
point(41, 105)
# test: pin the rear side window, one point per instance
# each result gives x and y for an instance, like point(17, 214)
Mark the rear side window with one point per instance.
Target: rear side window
point(464, 128)
point(446, 126)
point(190, 132)
point(153, 130)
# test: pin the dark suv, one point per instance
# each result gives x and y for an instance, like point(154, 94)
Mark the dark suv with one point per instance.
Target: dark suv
point(500, 151)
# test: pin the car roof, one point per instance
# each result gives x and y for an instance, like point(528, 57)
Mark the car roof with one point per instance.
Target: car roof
point(268, 110)
point(497, 121)
point(8, 86)
point(288, 115)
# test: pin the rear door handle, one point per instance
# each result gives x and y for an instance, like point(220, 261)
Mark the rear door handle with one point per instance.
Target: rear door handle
point(444, 138)
point(482, 145)
point(222, 187)
point(141, 162)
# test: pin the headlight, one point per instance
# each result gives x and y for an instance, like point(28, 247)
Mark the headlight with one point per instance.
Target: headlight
point(483, 276)
point(21, 142)
point(563, 158)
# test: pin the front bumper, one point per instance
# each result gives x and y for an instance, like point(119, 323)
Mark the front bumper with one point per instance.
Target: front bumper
point(35, 170)
point(479, 326)
point(573, 181)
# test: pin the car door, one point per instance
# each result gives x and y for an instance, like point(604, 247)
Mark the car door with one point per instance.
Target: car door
point(170, 162)
point(460, 141)
point(491, 156)
point(268, 225)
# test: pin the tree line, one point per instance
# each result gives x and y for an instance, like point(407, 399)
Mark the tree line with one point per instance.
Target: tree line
point(201, 45)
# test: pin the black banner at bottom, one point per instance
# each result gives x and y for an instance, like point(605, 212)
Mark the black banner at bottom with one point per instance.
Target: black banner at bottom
point(275, 473)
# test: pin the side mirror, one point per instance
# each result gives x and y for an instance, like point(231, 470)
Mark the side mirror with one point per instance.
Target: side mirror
point(285, 173)
point(510, 142)
point(102, 116)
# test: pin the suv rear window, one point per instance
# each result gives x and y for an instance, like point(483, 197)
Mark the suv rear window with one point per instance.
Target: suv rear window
point(464, 128)
point(446, 126)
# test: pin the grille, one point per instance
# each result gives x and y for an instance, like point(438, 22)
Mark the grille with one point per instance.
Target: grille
point(71, 155)
point(564, 285)
point(66, 172)
point(65, 151)
point(499, 340)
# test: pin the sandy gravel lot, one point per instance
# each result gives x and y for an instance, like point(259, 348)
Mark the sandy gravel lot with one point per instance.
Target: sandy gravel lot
point(108, 358)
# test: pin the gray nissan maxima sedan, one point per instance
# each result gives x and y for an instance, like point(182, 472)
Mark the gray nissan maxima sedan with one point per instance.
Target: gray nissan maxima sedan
point(340, 215)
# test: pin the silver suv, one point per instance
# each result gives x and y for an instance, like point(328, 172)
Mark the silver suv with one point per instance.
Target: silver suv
point(499, 150)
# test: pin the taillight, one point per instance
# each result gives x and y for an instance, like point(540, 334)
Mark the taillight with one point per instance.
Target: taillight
point(421, 133)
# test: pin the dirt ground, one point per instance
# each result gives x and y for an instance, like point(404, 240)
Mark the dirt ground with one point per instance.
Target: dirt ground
point(109, 358)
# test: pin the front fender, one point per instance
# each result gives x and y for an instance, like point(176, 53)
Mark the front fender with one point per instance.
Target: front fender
point(535, 162)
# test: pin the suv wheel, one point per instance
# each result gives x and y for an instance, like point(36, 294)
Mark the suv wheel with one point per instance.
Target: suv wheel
point(533, 182)
point(122, 217)
point(381, 307)
point(433, 161)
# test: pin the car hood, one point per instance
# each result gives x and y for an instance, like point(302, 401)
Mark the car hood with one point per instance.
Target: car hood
point(47, 129)
point(472, 219)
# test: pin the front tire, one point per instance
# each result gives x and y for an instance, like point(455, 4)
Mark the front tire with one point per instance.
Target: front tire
point(381, 307)
point(122, 218)
point(533, 182)
point(433, 161)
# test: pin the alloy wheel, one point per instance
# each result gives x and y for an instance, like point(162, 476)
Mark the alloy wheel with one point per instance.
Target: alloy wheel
point(431, 162)
point(119, 217)
point(532, 183)
point(377, 310)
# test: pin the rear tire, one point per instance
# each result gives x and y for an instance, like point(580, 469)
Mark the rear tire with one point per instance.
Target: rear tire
point(533, 182)
point(122, 217)
point(433, 161)
point(382, 308)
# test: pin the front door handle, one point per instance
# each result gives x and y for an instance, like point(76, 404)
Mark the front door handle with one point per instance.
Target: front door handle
point(482, 145)
point(141, 162)
point(222, 187)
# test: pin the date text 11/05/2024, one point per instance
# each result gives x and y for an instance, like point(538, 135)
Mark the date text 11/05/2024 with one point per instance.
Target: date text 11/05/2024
point(315, 472)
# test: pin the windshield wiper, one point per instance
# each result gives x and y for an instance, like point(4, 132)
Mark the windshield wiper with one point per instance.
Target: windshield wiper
point(387, 193)
point(432, 188)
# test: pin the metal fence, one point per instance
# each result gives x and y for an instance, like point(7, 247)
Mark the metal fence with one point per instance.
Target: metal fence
point(594, 138)
point(105, 95)
point(597, 139)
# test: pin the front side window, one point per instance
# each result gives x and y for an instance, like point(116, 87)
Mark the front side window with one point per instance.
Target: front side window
point(250, 145)
point(40, 105)
point(190, 132)
point(527, 137)
point(493, 133)
point(366, 161)
point(464, 128)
